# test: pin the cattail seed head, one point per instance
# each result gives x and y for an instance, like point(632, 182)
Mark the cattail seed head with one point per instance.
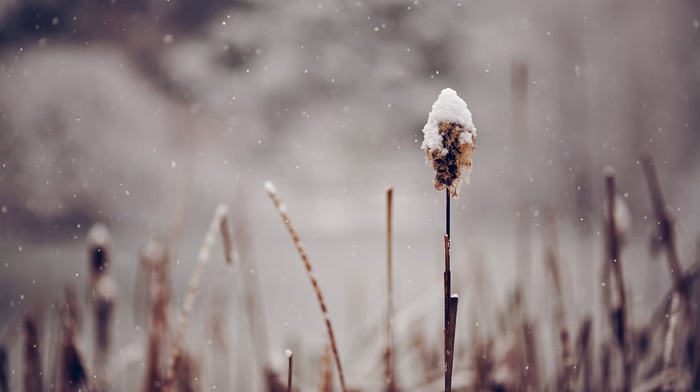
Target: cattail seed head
point(99, 247)
point(449, 141)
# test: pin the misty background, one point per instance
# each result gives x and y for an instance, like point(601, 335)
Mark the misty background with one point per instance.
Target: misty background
point(116, 111)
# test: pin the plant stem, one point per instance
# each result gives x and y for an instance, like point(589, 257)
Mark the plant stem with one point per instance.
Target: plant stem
point(614, 256)
point(666, 225)
point(289, 375)
point(282, 210)
point(447, 282)
point(390, 295)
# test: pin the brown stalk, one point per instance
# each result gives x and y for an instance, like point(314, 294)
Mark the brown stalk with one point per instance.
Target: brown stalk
point(666, 227)
point(390, 379)
point(531, 376)
point(450, 340)
point(290, 357)
point(669, 339)
point(154, 260)
point(76, 372)
point(32, 356)
point(188, 373)
point(191, 295)
point(271, 191)
point(519, 129)
point(621, 327)
point(4, 370)
point(583, 352)
point(325, 380)
point(447, 282)
point(103, 293)
point(73, 374)
point(552, 259)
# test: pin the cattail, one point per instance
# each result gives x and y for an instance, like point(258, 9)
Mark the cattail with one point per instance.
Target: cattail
point(103, 291)
point(450, 141)
point(449, 144)
point(272, 192)
point(192, 292)
point(99, 248)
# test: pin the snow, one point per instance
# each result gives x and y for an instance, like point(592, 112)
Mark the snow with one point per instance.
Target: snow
point(270, 188)
point(288, 352)
point(449, 107)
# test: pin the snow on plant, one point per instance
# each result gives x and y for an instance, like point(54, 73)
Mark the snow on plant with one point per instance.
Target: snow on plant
point(449, 141)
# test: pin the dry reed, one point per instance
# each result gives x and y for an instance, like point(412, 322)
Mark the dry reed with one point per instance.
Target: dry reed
point(33, 376)
point(390, 378)
point(103, 293)
point(192, 292)
point(155, 263)
point(666, 228)
point(75, 369)
point(281, 208)
point(4, 370)
point(553, 262)
point(290, 359)
point(615, 261)
point(325, 384)
point(669, 339)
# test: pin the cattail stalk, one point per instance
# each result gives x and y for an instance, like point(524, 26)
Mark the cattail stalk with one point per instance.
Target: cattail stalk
point(290, 357)
point(390, 379)
point(616, 262)
point(447, 281)
point(154, 259)
point(281, 208)
point(449, 144)
point(671, 331)
point(519, 129)
point(450, 339)
point(103, 292)
point(666, 228)
point(552, 260)
point(76, 370)
point(192, 292)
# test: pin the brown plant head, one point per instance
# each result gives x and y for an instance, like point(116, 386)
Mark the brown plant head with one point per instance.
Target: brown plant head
point(450, 141)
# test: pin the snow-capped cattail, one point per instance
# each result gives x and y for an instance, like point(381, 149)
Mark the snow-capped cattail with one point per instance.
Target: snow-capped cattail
point(99, 247)
point(449, 141)
point(449, 144)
